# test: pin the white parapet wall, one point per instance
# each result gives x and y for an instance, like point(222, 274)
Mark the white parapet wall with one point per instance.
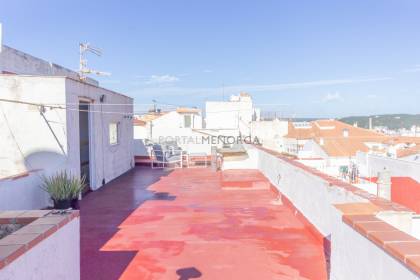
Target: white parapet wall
point(369, 166)
point(23, 193)
point(313, 196)
point(352, 255)
point(56, 257)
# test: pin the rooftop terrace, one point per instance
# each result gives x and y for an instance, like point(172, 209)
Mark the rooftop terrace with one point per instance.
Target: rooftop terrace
point(196, 223)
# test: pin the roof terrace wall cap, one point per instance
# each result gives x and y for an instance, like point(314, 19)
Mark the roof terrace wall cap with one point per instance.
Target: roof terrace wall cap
point(358, 208)
point(39, 225)
point(65, 77)
point(187, 110)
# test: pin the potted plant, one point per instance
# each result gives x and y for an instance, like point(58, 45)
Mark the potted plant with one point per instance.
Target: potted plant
point(63, 188)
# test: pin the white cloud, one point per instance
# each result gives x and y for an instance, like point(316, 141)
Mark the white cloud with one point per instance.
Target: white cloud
point(162, 79)
point(319, 83)
point(330, 97)
point(371, 96)
point(207, 71)
point(251, 88)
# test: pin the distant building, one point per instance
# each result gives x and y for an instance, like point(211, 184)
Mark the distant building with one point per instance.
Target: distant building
point(235, 114)
point(269, 133)
point(329, 144)
point(181, 125)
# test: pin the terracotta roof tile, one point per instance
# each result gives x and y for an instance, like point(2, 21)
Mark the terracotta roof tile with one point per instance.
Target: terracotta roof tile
point(331, 132)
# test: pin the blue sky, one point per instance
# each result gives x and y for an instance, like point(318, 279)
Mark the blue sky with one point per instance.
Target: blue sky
point(299, 58)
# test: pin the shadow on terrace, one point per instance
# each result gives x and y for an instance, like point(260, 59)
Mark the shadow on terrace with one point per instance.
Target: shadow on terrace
point(195, 223)
point(103, 211)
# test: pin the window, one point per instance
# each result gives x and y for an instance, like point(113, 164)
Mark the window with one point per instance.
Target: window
point(187, 121)
point(113, 133)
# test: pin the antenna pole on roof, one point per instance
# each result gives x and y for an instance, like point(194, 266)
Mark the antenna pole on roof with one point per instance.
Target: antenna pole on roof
point(223, 91)
point(83, 68)
point(154, 105)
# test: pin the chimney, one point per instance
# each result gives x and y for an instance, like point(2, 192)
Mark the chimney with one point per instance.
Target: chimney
point(345, 133)
point(321, 141)
point(370, 123)
point(384, 184)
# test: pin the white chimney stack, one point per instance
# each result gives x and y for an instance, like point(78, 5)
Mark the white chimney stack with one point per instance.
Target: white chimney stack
point(384, 184)
point(321, 141)
point(345, 132)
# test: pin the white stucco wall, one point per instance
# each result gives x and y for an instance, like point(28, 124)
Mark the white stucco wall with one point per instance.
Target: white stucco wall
point(249, 163)
point(269, 130)
point(312, 195)
point(107, 161)
point(170, 127)
point(369, 166)
point(28, 143)
point(26, 140)
point(18, 62)
point(56, 257)
point(22, 193)
point(230, 115)
point(355, 257)
point(352, 256)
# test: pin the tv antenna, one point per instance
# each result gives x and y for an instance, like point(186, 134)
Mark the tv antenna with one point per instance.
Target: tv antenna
point(83, 69)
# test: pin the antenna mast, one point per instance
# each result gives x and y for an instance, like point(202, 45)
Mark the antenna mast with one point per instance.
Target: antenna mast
point(83, 68)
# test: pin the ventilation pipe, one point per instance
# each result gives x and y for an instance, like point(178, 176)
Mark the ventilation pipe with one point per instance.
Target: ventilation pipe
point(384, 184)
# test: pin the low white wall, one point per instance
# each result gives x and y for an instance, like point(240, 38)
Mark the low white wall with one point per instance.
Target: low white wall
point(23, 193)
point(369, 166)
point(56, 257)
point(352, 256)
point(250, 163)
point(355, 257)
point(312, 195)
point(18, 62)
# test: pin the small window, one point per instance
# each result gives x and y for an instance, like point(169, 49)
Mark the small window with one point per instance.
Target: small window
point(187, 121)
point(113, 133)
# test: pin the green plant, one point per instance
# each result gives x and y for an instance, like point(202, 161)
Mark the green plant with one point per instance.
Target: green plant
point(63, 186)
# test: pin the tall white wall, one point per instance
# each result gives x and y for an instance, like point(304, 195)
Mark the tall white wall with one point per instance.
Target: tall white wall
point(24, 133)
point(107, 161)
point(230, 115)
point(269, 130)
point(56, 257)
point(28, 141)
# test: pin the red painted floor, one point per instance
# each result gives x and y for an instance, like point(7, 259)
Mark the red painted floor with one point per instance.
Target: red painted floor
point(194, 224)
